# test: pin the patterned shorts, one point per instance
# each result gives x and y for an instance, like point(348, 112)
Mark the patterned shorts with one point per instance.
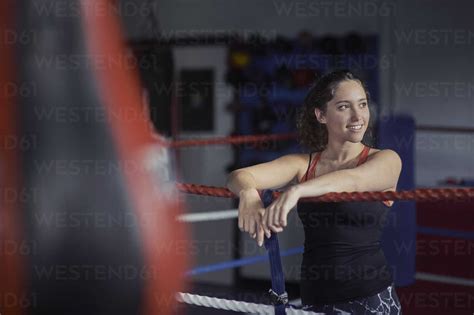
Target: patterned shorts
point(382, 303)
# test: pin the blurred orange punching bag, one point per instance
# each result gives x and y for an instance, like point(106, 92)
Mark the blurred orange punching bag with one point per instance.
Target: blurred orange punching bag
point(99, 221)
point(12, 271)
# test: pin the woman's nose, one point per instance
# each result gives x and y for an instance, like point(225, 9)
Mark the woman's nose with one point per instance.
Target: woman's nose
point(356, 114)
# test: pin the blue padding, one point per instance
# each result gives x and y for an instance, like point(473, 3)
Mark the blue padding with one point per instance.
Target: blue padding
point(467, 235)
point(284, 95)
point(265, 64)
point(271, 244)
point(299, 250)
point(241, 262)
point(250, 99)
point(398, 133)
point(227, 265)
point(467, 182)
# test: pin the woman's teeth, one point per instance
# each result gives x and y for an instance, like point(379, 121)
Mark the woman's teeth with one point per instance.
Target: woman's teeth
point(355, 127)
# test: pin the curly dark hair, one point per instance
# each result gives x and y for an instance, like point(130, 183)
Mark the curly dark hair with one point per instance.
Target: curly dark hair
point(312, 134)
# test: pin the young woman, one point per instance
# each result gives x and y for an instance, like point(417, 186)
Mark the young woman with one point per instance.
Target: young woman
point(343, 267)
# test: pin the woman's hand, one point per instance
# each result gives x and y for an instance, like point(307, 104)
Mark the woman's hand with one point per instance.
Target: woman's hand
point(275, 215)
point(251, 211)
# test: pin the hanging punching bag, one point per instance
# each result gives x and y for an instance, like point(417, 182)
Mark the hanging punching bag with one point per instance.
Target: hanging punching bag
point(99, 221)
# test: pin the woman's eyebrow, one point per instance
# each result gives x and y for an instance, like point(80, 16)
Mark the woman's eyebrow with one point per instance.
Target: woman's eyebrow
point(346, 101)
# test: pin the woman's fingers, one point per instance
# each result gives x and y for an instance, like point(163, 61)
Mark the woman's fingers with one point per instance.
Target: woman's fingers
point(257, 224)
point(262, 222)
point(241, 222)
point(271, 213)
point(252, 224)
point(283, 218)
point(276, 216)
point(265, 223)
point(261, 228)
point(270, 221)
point(246, 223)
point(260, 235)
point(275, 222)
point(267, 220)
point(278, 229)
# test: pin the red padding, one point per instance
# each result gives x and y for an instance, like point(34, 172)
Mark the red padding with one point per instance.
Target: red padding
point(445, 256)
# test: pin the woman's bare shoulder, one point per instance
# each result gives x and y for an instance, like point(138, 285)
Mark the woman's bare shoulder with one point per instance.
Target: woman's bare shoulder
point(297, 158)
point(393, 157)
point(373, 151)
point(301, 162)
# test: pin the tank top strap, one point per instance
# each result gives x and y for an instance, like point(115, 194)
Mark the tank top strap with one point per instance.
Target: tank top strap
point(363, 156)
point(310, 173)
point(305, 177)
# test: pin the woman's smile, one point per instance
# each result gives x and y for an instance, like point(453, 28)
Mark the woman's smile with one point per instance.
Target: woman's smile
point(355, 128)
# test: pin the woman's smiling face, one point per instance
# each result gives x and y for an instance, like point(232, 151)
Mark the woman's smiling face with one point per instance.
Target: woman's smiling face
point(347, 114)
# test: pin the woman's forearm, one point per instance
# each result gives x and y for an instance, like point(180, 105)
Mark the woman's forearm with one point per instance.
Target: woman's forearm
point(337, 181)
point(239, 181)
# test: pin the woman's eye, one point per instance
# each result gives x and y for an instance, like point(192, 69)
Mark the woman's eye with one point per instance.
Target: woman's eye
point(363, 104)
point(343, 107)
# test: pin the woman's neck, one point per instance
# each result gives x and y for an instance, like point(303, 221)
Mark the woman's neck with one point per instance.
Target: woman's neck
point(342, 152)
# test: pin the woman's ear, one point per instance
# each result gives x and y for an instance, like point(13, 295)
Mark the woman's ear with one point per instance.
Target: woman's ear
point(320, 116)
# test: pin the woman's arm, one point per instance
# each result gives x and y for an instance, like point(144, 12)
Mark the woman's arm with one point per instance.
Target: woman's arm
point(245, 182)
point(379, 173)
point(273, 174)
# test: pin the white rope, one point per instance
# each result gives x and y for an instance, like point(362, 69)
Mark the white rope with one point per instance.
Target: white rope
point(444, 279)
point(237, 306)
point(296, 302)
point(209, 216)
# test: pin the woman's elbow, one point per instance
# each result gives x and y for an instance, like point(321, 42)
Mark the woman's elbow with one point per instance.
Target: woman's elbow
point(230, 178)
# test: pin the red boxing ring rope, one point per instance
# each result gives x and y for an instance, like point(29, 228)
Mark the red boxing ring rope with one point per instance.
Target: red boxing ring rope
point(230, 140)
point(421, 194)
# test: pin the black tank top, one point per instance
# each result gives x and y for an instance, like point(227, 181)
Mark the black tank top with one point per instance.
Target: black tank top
point(342, 257)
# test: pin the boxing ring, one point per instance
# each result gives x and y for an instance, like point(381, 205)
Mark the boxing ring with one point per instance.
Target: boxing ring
point(143, 192)
point(277, 293)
